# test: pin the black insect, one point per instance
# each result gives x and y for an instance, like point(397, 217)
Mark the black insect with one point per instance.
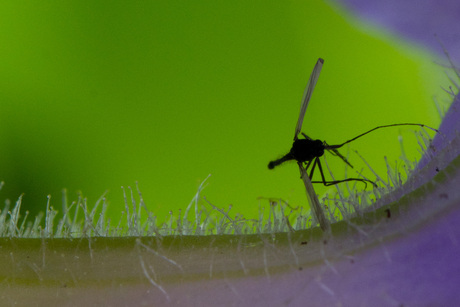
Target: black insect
point(388, 213)
point(308, 151)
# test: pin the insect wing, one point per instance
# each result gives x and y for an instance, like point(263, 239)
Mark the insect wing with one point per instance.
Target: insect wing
point(314, 201)
point(307, 94)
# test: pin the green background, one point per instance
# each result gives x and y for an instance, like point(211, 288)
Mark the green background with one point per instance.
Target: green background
point(98, 94)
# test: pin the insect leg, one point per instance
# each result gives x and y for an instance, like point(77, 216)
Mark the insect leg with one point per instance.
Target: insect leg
point(307, 137)
point(312, 168)
point(306, 167)
point(328, 183)
point(335, 152)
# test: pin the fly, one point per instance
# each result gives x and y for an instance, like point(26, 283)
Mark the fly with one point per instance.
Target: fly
point(306, 152)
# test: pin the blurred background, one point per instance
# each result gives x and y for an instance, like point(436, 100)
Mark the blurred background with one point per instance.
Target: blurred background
point(95, 95)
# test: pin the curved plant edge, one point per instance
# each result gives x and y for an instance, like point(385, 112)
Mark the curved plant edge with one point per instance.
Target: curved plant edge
point(405, 252)
point(402, 251)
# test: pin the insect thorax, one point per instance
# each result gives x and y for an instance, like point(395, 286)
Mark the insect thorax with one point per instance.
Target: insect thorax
point(305, 150)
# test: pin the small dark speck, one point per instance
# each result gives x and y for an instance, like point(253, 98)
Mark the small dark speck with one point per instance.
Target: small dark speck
point(444, 196)
point(303, 243)
point(300, 268)
point(325, 242)
point(388, 212)
point(437, 169)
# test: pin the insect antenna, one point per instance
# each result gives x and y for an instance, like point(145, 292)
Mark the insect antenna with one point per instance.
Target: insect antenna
point(332, 147)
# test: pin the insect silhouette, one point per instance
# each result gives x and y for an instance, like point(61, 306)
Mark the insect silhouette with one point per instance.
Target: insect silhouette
point(308, 151)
